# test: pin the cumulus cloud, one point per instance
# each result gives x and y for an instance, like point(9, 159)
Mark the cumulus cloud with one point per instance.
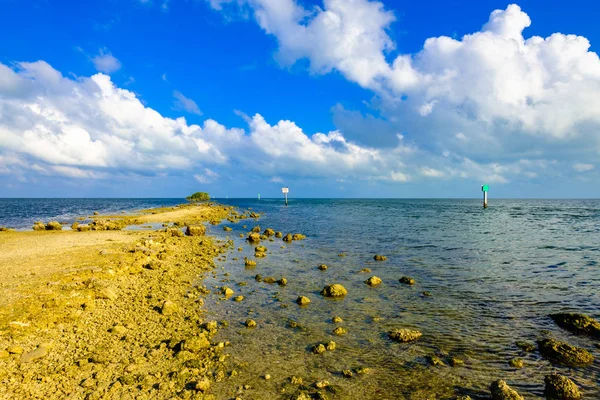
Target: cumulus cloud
point(512, 96)
point(87, 127)
point(183, 103)
point(106, 62)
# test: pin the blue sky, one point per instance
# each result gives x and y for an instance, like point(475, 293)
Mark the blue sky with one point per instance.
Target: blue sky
point(334, 98)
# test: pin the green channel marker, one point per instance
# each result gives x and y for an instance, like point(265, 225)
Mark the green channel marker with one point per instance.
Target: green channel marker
point(485, 188)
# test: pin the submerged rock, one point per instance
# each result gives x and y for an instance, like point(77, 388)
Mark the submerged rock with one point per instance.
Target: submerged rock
point(319, 348)
point(379, 257)
point(278, 235)
point(323, 267)
point(501, 391)
point(269, 279)
point(365, 270)
point(516, 363)
point(577, 323)
point(404, 335)
point(288, 238)
point(227, 229)
point(526, 346)
point(564, 353)
point(238, 298)
point(434, 360)
point(249, 263)
point(336, 320)
point(282, 282)
point(253, 237)
point(298, 236)
point(260, 249)
point(407, 280)
point(302, 300)
point(335, 290)
point(560, 387)
point(373, 281)
point(456, 362)
point(339, 331)
point(250, 323)
point(256, 229)
point(227, 291)
point(195, 230)
point(269, 232)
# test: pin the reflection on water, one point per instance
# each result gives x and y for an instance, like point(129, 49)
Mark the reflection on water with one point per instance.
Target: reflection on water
point(493, 277)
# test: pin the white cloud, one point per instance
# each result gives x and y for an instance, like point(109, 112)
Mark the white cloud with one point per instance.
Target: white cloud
point(185, 104)
point(90, 128)
point(164, 77)
point(106, 62)
point(580, 167)
point(510, 95)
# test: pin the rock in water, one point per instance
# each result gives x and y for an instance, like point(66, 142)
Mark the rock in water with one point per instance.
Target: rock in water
point(269, 232)
point(288, 238)
point(407, 280)
point(404, 335)
point(577, 323)
point(303, 300)
point(373, 281)
point(379, 257)
point(501, 391)
point(195, 230)
point(335, 290)
point(564, 353)
point(254, 237)
point(560, 387)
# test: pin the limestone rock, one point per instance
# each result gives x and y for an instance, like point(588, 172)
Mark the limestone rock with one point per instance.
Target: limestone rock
point(501, 391)
point(560, 387)
point(303, 300)
point(335, 290)
point(404, 335)
point(195, 230)
point(407, 280)
point(577, 323)
point(373, 281)
point(564, 353)
point(168, 308)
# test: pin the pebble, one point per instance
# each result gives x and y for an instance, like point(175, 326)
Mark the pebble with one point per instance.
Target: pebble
point(250, 323)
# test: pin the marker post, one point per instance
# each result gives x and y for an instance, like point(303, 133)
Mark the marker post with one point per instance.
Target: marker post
point(285, 192)
point(484, 189)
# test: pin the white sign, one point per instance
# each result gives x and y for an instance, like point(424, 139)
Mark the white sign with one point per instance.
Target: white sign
point(285, 190)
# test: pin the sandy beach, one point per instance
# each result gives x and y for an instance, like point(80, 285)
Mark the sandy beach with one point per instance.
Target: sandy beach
point(109, 314)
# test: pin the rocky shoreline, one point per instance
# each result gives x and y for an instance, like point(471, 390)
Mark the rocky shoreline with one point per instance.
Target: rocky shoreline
point(124, 318)
point(125, 321)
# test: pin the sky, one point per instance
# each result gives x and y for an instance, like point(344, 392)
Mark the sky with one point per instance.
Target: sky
point(333, 98)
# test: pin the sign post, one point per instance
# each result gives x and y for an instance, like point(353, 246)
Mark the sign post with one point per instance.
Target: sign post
point(484, 189)
point(285, 192)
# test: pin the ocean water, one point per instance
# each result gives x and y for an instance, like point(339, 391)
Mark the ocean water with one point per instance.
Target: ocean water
point(494, 276)
point(22, 213)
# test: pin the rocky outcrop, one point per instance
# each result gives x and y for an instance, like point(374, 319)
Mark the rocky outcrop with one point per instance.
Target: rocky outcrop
point(577, 323)
point(404, 335)
point(564, 353)
point(560, 387)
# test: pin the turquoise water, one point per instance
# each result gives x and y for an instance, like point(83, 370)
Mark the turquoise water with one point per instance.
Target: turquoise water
point(494, 275)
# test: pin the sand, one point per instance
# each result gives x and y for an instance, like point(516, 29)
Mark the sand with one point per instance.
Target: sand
point(109, 314)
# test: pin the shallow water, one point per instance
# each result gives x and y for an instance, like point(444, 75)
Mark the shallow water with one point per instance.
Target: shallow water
point(22, 213)
point(494, 276)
